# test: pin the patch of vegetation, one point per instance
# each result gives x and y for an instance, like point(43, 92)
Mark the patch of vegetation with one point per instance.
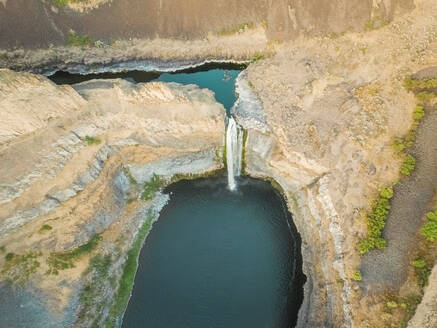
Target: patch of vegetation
point(2, 249)
point(236, 29)
point(45, 228)
point(375, 23)
point(408, 165)
point(62, 3)
point(335, 35)
point(256, 58)
point(98, 270)
point(19, 267)
point(399, 145)
point(423, 270)
point(264, 24)
point(357, 276)
point(76, 40)
point(419, 84)
point(429, 230)
point(130, 200)
point(386, 192)
point(418, 113)
point(404, 307)
point(130, 177)
point(92, 140)
point(376, 222)
point(152, 187)
point(130, 268)
point(218, 159)
point(65, 260)
point(425, 96)
point(402, 144)
point(192, 176)
point(251, 85)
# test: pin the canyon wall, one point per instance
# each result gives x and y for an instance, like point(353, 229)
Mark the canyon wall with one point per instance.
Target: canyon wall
point(328, 112)
point(81, 174)
point(41, 23)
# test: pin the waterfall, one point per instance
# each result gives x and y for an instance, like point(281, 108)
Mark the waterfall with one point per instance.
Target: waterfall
point(234, 146)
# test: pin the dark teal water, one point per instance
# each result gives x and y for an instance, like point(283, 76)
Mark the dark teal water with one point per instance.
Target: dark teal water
point(219, 78)
point(219, 259)
point(221, 81)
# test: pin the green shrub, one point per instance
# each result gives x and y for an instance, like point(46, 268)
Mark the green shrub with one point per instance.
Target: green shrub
point(432, 215)
point(419, 263)
point(45, 227)
point(408, 165)
point(251, 85)
point(357, 276)
point(65, 260)
point(418, 113)
point(75, 40)
point(399, 145)
point(130, 176)
point(429, 231)
point(423, 84)
point(410, 138)
point(151, 187)
point(92, 140)
point(257, 58)
point(376, 222)
point(386, 192)
point(423, 270)
point(392, 304)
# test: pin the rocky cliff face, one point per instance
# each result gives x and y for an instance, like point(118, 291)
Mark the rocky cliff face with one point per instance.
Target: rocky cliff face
point(75, 164)
point(45, 23)
point(323, 129)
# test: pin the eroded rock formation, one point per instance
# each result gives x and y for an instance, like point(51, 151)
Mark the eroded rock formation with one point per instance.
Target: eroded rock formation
point(75, 164)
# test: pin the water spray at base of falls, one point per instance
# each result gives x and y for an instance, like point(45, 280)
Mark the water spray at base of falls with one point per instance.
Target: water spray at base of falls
point(234, 147)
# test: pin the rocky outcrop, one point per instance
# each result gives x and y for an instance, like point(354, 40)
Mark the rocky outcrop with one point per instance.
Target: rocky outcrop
point(426, 314)
point(76, 166)
point(160, 55)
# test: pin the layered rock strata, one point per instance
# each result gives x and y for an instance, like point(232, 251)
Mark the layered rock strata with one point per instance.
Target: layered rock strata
point(74, 164)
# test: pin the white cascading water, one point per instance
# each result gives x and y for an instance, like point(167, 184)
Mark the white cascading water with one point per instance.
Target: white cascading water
point(234, 143)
